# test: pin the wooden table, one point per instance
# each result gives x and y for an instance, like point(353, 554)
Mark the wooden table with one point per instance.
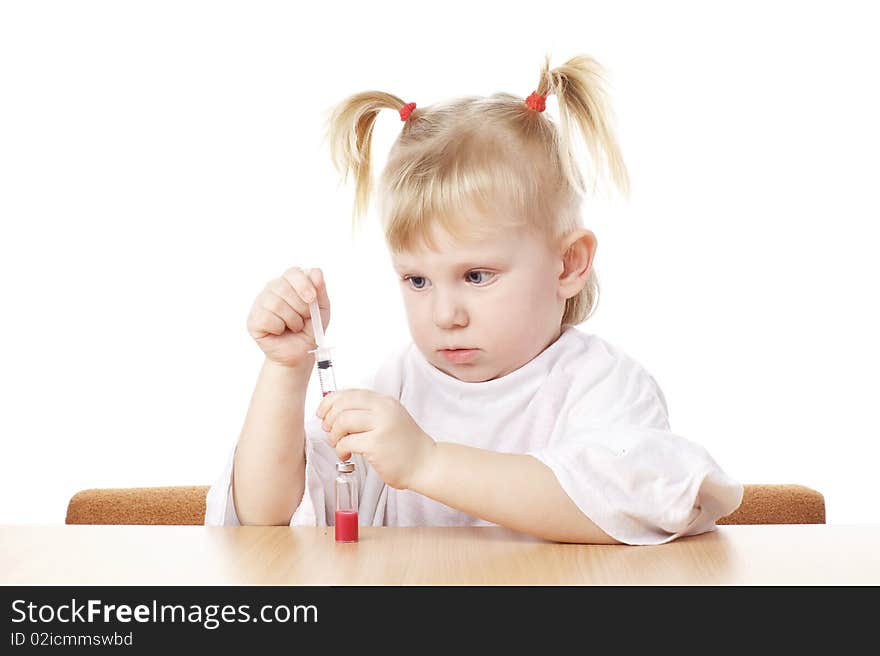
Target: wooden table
point(199, 555)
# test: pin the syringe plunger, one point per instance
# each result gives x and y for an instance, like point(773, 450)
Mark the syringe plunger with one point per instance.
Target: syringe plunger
point(323, 349)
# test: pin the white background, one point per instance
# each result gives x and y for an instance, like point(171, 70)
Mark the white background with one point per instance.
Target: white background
point(161, 161)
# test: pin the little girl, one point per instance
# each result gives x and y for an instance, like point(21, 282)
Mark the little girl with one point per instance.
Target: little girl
point(500, 411)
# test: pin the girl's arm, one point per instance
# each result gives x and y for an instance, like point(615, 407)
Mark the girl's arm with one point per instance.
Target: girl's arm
point(269, 471)
point(513, 490)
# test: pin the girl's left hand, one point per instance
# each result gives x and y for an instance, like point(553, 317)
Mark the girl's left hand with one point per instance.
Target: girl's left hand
point(381, 430)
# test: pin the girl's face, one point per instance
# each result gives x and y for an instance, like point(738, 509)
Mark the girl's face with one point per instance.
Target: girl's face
point(503, 298)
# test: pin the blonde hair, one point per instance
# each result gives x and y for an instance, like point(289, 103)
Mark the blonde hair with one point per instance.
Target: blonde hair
point(477, 165)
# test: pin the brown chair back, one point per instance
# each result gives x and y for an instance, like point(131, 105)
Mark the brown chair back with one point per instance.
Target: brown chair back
point(185, 505)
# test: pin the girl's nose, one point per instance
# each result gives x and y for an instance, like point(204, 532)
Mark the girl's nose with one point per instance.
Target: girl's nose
point(448, 312)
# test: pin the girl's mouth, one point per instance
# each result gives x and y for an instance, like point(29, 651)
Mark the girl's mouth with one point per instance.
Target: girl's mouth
point(459, 356)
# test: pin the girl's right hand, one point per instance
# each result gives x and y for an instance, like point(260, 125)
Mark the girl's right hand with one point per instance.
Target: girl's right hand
point(280, 321)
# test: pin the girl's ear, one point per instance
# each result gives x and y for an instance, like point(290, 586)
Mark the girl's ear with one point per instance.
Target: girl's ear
point(577, 252)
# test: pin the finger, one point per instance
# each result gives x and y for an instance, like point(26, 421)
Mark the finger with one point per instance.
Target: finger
point(339, 400)
point(350, 421)
point(262, 322)
point(357, 443)
point(317, 278)
point(324, 405)
point(302, 284)
point(282, 287)
point(278, 306)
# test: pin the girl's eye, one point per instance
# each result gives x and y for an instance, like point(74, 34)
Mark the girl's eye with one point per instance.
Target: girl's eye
point(413, 278)
point(419, 282)
point(478, 272)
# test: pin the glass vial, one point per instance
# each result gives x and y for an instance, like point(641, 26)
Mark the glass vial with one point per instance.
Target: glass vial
point(346, 502)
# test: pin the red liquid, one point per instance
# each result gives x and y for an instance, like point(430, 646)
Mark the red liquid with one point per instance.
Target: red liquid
point(346, 526)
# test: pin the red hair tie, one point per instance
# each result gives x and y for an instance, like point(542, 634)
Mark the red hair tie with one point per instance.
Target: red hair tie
point(406, 110)
point(536, 102)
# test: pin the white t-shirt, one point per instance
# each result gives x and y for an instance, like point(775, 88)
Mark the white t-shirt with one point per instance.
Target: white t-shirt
point(584, 408)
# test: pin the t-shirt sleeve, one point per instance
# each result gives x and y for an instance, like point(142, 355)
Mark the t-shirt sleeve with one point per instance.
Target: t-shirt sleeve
point(635, 479)
point(219, 507)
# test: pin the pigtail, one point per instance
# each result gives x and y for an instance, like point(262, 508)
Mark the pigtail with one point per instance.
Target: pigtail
point(578, 87)
point(350, 131)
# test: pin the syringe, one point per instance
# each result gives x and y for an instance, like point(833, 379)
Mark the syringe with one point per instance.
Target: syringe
point(325, 364)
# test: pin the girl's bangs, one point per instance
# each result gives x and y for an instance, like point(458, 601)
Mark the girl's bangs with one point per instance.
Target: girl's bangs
point(469, 203)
